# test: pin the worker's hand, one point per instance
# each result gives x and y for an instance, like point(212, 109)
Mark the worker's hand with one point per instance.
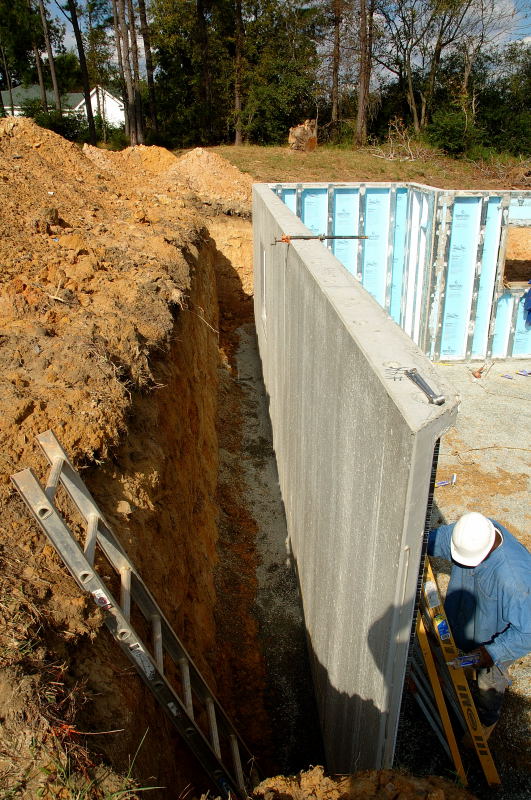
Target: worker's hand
point(484, 658)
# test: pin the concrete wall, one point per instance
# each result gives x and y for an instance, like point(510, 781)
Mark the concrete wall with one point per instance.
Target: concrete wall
point(354, 450)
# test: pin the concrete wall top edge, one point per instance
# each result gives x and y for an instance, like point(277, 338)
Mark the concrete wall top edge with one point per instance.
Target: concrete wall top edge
point(388, 348)
point(402, 184)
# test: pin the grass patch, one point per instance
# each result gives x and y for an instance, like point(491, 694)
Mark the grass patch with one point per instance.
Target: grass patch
point(334, 164)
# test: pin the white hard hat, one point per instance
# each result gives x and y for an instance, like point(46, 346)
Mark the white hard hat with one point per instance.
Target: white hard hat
point(472, 539)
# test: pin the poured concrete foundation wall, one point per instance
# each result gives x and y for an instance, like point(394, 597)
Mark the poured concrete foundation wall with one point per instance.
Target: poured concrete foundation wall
point(354, 447)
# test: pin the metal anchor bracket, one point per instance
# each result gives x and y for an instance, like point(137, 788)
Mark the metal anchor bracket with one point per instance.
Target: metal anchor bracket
point(435, 399)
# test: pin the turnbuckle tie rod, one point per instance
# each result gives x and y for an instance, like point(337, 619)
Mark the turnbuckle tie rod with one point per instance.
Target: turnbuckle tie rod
point(286, 239)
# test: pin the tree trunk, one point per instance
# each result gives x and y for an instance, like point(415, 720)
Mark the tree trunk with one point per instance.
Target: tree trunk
point(427, 97)
point(336, 56)
point(204, 83)
point(468, 106)
point(119, 53)
point(8, 81)
point(136, 74)
point(100, 103)
point(144, 30)
point(364, 76)
point(38, 64)
point(51, 62)
point(129, 99)
point(411, 95)
point(238, 74)
point(84, 70)
point(42, 87)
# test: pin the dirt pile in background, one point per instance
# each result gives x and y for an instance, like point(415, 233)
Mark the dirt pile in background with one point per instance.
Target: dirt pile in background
point(200, 178)
point(140, 158)
point(89, 288)
point(215, 180)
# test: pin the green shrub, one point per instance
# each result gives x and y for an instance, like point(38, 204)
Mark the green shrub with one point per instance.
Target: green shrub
point(451, 131)
point(30, 108)
point(479, 152)
point(71, 126)
point(508, 129)
point(74, 126)
point(116, 138)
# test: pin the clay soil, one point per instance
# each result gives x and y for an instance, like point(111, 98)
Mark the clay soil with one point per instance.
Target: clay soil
point(518, 255)
point(125, 277)
point(109, 335)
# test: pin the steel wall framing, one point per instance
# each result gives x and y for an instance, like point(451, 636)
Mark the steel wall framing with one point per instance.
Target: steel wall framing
point(434, 259)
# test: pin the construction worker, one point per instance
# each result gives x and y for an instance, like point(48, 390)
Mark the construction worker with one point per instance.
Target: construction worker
point(488, 602)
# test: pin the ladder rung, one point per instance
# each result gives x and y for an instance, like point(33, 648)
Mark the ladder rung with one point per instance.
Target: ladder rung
point(157, 641)
point(53, 478)
point(236, 760)
point(187, 686)
point(213, 726)
point(125, 592)
point(91, 538)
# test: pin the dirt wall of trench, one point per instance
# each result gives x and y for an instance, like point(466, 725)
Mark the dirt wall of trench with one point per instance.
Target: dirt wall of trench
point(109, 334)
point(158, 492)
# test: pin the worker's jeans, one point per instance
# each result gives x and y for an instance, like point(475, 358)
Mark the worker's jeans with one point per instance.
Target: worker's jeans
point(488, 693)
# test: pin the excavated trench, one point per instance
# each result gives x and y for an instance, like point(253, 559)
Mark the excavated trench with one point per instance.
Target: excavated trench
point(173, 439)
point(194, 494)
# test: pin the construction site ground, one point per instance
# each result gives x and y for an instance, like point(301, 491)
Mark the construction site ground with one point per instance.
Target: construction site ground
point(126, 326)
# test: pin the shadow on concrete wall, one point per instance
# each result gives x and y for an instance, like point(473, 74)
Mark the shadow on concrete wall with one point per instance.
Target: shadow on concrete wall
point(363, 715)
point(359, 715)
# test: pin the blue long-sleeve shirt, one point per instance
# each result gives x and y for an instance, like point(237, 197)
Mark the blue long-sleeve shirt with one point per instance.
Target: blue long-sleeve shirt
point(490, 604)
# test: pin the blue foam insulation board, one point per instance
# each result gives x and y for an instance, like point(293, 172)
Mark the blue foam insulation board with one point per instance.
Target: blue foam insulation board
point(399, 253)
point(289, 197)
point(460, 276)
point(520, 210)
point(488, 273)
point(522, 332)
point(374, 271)
point(502, 328)
point(314, 210)
point(345, 210)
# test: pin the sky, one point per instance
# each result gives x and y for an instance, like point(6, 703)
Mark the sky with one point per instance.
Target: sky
point(521, 29)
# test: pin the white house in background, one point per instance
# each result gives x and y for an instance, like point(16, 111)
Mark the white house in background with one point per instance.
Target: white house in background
point(107, 105)
point(110, 108)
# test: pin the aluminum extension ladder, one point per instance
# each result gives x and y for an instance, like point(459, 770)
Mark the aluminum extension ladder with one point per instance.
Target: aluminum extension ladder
point(194, 698)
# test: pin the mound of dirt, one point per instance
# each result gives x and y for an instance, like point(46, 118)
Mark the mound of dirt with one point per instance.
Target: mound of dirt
point(200, 178)
point(385, 784)
point(95, 273)
point(154, 160)
point(215, 180)
point(104, 159)
point(89, 281)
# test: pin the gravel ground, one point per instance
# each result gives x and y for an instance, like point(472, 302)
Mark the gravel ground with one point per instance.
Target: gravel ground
point(278, 602)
